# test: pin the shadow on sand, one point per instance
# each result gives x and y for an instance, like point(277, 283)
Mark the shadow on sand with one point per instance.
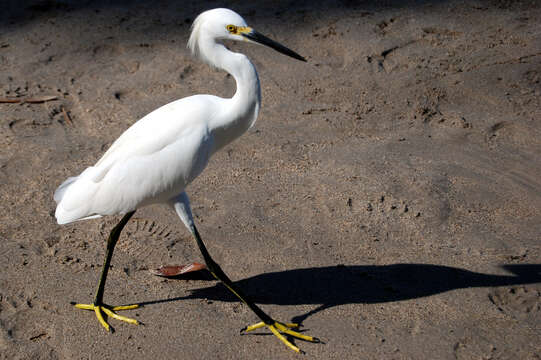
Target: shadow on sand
point(338, 285)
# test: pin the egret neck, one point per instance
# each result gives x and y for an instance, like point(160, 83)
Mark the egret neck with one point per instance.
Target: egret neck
point(242, 109)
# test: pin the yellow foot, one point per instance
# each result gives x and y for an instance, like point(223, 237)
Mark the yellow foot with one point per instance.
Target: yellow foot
point(277, 328)
point(109, 311)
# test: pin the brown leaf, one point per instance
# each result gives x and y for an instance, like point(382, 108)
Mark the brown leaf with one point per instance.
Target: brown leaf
point(175, 270)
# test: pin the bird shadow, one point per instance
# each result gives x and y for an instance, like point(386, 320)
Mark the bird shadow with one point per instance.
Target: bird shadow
point(360, 284)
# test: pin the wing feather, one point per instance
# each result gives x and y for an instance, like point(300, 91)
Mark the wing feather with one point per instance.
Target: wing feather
point(150, 162)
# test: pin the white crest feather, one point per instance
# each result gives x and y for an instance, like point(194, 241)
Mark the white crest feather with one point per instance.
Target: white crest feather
point(193, 43)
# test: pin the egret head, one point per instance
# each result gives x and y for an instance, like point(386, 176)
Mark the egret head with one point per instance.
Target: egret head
point(225, 24)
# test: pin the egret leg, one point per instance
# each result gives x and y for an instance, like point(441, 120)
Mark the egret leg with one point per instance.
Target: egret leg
point(277, 328)
point(98, 306)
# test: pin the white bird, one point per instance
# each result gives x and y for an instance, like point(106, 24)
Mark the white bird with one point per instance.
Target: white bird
point(157, 157)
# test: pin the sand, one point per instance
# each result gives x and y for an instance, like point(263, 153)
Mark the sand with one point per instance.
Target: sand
point(388, 197)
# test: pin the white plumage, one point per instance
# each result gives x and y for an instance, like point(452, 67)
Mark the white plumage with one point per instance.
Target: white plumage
point(157, 157)
point(161, 154)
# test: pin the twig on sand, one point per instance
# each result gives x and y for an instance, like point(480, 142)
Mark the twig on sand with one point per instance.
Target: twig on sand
point(30, 100)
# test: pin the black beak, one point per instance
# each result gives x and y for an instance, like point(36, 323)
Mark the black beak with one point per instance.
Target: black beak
point(262, 39)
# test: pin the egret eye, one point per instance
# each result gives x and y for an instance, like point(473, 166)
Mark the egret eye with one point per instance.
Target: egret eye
point(231, 28)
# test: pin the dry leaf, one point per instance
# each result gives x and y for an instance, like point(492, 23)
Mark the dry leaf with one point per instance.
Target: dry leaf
point(66, 116)
point(175, 270)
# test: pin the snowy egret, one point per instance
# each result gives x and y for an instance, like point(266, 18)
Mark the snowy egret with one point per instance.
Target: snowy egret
point(157, 157)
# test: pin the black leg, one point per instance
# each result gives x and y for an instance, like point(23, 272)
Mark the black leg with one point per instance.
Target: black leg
point(111, 242)
point(99, 308)
point(276, 327)
point(218, 273)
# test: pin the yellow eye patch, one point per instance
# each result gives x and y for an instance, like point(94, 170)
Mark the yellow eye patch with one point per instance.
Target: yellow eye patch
point(237, 30)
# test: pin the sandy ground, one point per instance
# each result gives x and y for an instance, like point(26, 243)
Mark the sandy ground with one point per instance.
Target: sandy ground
point(389, 196)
